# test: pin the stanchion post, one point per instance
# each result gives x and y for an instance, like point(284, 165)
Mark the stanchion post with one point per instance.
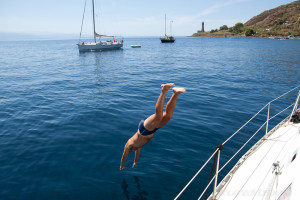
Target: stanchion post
point(216, 175)
point(268, 116)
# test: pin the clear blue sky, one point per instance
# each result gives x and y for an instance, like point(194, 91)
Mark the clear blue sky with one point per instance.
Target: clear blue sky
point(127, 17)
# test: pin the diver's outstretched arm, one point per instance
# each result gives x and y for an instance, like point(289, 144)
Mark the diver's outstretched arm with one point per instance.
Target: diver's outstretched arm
point(136, 157)
point(125, 154)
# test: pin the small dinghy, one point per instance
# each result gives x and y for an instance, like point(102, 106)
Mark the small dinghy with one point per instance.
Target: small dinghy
point(135, 46)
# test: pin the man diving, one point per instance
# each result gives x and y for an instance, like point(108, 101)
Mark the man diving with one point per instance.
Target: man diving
point(148, 127)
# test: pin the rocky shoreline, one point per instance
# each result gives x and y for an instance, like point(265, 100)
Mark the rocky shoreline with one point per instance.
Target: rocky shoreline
point(243, 36)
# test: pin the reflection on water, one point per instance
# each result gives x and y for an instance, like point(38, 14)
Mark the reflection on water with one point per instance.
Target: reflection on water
point(140, 193)
point(125, 189)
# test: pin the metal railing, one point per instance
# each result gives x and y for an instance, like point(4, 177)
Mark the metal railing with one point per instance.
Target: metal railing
point(217, 152)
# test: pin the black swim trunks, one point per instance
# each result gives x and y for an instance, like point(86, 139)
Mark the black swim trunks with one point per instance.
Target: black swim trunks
point(143, 130)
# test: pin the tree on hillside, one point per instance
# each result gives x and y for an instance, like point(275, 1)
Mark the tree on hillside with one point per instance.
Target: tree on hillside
point(238, 27)
point(249, 32)
point(224, 27)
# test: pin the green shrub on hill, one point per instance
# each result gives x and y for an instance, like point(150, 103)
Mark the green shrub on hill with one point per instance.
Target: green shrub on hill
point(249, 32)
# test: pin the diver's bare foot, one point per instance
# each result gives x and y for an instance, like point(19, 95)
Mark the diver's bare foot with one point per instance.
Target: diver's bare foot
point(178, 90)
point(122, 167)
point(167, 86)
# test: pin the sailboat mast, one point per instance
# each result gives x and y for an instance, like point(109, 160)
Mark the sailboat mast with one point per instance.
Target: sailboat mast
point(171, 28)
point(165, 25)
point(94, 21)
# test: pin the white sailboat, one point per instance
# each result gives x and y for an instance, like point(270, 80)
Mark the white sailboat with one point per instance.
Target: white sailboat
point(268, 170)
point(99, 45)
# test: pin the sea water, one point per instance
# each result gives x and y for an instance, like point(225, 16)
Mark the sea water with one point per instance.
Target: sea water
point(65, 116)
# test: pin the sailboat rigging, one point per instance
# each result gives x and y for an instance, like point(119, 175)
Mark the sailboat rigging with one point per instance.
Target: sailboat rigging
point(100, 45)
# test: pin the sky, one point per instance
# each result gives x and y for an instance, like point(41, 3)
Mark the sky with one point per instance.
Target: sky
point(127, 17)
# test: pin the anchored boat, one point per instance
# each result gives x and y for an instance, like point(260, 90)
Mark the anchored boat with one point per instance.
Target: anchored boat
point(98, 45)
point(136, 46)
point(268, 170)
point(168, 38)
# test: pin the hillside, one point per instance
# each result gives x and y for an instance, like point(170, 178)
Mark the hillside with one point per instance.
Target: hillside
point(281, 21)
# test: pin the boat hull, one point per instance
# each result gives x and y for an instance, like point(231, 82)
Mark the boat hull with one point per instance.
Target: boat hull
point(167, 41)
point(82, 47)
point(163, 40)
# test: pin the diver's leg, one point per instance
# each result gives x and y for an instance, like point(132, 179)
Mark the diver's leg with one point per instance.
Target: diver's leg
point(153, 121)
point(167, 116)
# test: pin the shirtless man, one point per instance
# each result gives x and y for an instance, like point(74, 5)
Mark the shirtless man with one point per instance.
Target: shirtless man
point(148, 127)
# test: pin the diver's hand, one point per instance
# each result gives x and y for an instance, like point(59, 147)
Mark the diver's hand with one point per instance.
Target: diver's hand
point(134, 164)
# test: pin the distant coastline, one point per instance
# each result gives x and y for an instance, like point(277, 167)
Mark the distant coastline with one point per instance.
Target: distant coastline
point(223, 35)
point(230, 35)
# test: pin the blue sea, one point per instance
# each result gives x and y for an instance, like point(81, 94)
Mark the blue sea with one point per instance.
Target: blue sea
point(65, 116)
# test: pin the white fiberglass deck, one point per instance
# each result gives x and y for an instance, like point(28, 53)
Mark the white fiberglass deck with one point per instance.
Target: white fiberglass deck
point(256, 176)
